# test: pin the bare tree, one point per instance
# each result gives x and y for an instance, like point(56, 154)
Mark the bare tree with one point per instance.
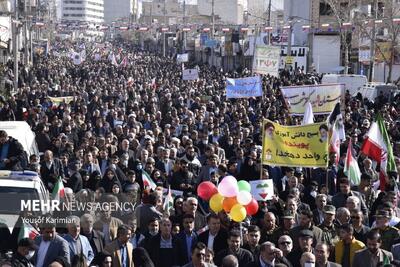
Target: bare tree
point(384, 21)
point(344, 12)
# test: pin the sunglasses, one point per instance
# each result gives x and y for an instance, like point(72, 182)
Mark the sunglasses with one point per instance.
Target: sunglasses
point(200, 255)
point(285, 243)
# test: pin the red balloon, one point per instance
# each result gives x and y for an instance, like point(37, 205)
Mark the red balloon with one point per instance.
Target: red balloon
point(252, 207)
point(206, 190)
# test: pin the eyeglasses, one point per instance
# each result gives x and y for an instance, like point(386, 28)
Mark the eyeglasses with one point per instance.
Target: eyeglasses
point(285, 243)
point(198, 255)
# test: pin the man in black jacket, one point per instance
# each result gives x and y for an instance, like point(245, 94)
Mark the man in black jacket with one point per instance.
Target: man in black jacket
point(164, 249)
point(215, 238)
point(96, 238)
point(25, 251)
point(243, 255)
point(75, 180)
point(12, 155)
point(51, 170)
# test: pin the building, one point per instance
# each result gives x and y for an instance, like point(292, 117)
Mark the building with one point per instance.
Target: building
point(226, 11)
point(257, 12)
point(168, 12)
point(123, 9)
point(90, 11)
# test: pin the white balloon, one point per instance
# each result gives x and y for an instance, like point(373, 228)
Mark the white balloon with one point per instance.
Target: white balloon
point(244, 198)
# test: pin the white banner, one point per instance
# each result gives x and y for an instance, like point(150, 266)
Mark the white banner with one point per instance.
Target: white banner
point(262, 190)
point(190, 74)
point(181, 58)
point(267, 60)
point(298, 55)
point(323, 97)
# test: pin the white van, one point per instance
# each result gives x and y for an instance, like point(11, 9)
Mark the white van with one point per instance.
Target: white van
point(373, 90)
point(16, 186)
point(353, 83)
point(21, 131)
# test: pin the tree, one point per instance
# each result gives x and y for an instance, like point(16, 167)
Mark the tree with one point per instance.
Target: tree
point(384, 20)
point(344, 12)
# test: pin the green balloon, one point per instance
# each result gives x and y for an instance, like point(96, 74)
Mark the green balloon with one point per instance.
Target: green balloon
point(244, 186)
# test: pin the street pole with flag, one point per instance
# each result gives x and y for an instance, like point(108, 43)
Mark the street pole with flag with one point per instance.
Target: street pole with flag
point(351, 169)
point(377, 146)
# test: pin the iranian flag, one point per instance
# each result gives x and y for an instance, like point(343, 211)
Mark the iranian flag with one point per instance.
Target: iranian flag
point(168, 201)
point(27, 231)
point(58, 190)
point(147, 181)
point(351, 169)
point(377, 146)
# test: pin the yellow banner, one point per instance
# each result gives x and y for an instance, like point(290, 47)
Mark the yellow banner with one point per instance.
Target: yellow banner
point(296, 146)
point(62, 99)
point(383, 51)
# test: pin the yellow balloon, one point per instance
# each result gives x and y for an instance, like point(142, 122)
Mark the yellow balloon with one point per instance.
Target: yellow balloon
point(216, 202)
point(238, 213)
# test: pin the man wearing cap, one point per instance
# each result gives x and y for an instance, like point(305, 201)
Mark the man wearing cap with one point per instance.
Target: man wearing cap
point(388, 233)
point(328, 228)
point(347, 246)
point(305, 241)
point(306, 223)
point(25, 251)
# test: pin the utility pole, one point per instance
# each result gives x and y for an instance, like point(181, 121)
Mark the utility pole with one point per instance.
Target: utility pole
point(372, 47)
point(184, 25)
point(15, 25)
point(269, 21)
point(289, 45)
point(165, 22)
point(212, 30)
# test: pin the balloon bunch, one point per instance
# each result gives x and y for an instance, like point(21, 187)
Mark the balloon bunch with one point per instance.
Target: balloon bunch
point(231, 196)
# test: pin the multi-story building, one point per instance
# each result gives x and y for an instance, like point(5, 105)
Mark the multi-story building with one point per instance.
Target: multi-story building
point(226, 11)
point(90, 11)
point(168, 12)
point(121, 9)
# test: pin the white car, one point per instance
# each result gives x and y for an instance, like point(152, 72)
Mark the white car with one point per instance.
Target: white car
point(16, 186)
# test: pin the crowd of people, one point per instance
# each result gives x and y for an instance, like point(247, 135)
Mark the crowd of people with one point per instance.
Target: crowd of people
point(138, 121)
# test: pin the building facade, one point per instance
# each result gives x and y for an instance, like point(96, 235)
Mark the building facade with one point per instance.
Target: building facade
point(118, 9)
point(226, 11)
point(90, 11)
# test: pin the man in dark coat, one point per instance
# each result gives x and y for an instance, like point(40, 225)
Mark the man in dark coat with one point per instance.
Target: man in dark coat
point(25, 251)
point(75, 180)
point(12, 154)
point(243, 255)
point(215, 238)
point(51, 170)
point(164, 249)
